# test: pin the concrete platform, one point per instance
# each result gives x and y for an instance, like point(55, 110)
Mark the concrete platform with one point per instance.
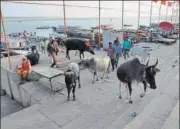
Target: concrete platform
point(8, 106)
point(97, 105)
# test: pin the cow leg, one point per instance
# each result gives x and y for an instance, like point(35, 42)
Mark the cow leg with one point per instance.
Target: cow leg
point(79, 82)
point(73, 91)
point(97, 77)
point(67, 54)
point(107, 75)
point(68, 90)
point(83, 54)
point(126, 87)
point(80, 54)
point(103, 75)
point(94, 77)
point(130, 91)
point(76, 53)
point(145, 87)
point(120, 96)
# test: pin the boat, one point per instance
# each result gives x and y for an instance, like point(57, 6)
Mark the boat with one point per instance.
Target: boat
point(60, 29)
point(108, 26)
point(126, 25)
point(43, 27)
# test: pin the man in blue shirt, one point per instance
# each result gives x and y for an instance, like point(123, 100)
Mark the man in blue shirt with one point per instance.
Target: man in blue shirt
point(126, 47)
point(118, 50)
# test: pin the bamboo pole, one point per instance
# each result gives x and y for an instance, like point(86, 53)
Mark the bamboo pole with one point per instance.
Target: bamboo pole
point(166, 13)
point(151, 13)
point(7, 44)
point(99, 22)
point(139, 11)
point(122, 15)
point(65, 27)
point(159, 13)
point(172, 12)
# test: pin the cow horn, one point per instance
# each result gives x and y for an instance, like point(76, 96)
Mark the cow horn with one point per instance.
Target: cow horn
point(155, 63)
point(147, 63)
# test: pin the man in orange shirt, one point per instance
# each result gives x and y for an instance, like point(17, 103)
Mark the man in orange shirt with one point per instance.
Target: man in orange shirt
point(24, 68)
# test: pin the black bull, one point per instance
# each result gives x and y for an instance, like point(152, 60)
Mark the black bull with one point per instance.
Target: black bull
point(77, 44)
point(133, 70)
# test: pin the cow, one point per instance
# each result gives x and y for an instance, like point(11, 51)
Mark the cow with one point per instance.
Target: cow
point(133, 70)
point(34, 56)
point(71, 75)
point(77, 44)
point(95, 64)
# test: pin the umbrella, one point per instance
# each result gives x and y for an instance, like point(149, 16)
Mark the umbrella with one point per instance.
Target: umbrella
point(166, 26)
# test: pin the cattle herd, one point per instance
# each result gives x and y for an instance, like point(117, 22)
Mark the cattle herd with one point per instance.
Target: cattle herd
point(127, 73)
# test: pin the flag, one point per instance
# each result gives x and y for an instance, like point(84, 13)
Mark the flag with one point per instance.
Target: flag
point(163, 2)
point(155, 1)
point(169, 4)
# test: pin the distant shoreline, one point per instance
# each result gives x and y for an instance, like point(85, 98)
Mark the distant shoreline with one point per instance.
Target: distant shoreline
point(24, 19)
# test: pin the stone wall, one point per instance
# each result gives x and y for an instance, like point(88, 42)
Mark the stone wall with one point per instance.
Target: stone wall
point(9, 82)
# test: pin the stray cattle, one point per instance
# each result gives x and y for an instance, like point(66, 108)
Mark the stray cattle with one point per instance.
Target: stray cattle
point(33, 57)
point(71, 75)
point(95, 64)
point(133, 70)
point(77, 44)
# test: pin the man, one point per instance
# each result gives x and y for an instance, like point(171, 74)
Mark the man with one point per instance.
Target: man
point(118, 50)
point(92, 39)
point(25, 36)
point(46, 43)
point(111, 52)
point(126, 36)
point(117, 40)
point(42, 43)
point(52, 50)
point(126, 47)
point(24, 69)
point(151, 36)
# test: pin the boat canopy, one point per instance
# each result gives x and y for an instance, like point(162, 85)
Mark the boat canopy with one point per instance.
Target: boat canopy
point(166, 26)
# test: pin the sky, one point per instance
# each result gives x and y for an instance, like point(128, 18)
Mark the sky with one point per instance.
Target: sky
point(130, 7)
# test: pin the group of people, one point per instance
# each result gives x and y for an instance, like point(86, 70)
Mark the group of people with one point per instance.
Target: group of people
point(24, 34)
point(43, 45)
point(115, 51)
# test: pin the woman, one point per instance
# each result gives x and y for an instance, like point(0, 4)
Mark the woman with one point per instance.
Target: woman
point(111, 52)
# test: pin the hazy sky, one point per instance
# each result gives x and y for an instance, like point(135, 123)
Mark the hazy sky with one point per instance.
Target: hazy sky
point(27, 10)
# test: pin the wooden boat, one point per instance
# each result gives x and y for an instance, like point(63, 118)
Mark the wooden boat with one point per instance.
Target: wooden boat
point(165, 40)
point(43, 27)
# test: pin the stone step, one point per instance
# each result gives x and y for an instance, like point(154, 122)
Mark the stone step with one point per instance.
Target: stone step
point(156, 112)
point(112, 109)
point(172, 121)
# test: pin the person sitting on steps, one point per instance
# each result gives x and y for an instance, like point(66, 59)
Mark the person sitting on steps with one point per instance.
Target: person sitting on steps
point(24, 69)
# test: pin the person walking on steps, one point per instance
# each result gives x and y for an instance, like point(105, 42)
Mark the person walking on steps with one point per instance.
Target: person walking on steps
point(92, 39)
point(126, 48)
point(111, 52)
point(42, 43)
point(52, 52)
point(118, 50)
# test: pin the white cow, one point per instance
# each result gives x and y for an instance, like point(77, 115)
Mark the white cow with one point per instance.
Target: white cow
point(97, 64)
